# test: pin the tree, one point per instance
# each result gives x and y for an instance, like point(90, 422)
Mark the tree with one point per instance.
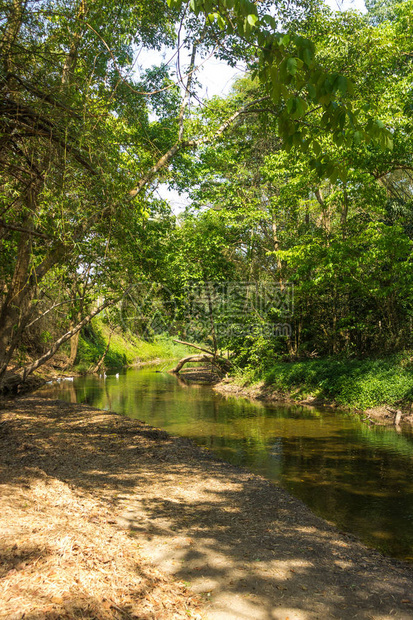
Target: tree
point(69, 143)
point(79, 131)
point(345, 243)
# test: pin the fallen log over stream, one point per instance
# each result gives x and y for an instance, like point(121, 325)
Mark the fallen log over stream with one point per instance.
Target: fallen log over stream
point(192, 358)
point(222, 364)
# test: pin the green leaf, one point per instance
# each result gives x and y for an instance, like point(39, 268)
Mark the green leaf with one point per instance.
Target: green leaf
point(291, 105)
point(343, 174)
point(308, 57)
point(316, 148)
point(342, 84)
point(333, 175)
point(221, 22)
point(311, 89)
point(276, 85)
point(292, 66)
point(268, 19)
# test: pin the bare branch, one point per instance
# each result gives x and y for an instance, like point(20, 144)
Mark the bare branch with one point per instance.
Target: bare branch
point(182, 144)
point(185, 99)
point(27, 370)
point(195, 346)
point(22, 229)
point(60, 303)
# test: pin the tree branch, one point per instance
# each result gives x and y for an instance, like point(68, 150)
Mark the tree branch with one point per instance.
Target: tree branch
point(42, 96)
point(195, 346)
point(24, 116)
point(192, 358)
point(182, 144)
point(22, 229)
point(187, 94)
point(56, 305)
point(27, 370)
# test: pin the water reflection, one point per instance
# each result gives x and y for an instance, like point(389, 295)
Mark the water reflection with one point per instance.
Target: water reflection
point(357, 476)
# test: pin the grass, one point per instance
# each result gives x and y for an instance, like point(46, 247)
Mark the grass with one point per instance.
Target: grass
point(124, 349)
point(359, 384)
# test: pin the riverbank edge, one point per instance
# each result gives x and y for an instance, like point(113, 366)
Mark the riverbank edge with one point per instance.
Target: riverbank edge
point(61, 416)
point(50, 373)
point(384, 414)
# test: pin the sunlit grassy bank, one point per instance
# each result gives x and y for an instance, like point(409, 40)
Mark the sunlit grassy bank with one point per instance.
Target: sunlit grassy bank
point(352, 383)
point(125, 349)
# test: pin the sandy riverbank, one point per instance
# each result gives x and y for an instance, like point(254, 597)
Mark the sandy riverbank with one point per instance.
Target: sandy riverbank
point(104, 517)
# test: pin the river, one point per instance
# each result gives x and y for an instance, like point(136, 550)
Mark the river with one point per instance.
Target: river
point(356, 476)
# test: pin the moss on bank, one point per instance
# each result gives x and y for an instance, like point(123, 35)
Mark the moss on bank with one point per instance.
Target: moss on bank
point(359, 384)
point(125, 349)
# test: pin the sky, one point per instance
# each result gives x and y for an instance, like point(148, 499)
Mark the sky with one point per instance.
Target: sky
point(217, 78)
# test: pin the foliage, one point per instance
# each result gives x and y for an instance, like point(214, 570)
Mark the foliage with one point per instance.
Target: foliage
point(301, 176)
point(352, 383)
point(345, 246)
point(284, 60)
point(75, 125)
point(125, 349)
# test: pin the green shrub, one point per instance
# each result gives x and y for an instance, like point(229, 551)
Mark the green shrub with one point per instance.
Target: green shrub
point(355, 383)
point(124, 350)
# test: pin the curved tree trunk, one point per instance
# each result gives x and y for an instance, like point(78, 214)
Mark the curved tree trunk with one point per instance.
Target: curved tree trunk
point(220, 363)
point(192, 358)
point(74, 344)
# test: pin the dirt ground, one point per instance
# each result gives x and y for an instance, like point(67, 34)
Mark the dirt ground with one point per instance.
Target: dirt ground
point(104, 517)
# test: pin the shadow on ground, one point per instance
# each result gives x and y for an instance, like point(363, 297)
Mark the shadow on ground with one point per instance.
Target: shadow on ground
point(248, 548)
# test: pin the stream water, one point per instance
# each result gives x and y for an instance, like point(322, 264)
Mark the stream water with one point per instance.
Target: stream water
point(357, 476)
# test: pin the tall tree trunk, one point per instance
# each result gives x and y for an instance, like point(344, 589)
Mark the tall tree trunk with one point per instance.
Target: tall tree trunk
point(14, 24)
point(14, 311)
point(74, 345)
point(71, 58)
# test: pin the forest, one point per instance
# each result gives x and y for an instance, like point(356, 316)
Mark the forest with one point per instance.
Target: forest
point(274, 481)
point(295, 247)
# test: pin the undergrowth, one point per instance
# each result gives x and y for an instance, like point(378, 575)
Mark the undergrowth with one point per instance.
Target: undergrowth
point(354, 383)
point(125, 349)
